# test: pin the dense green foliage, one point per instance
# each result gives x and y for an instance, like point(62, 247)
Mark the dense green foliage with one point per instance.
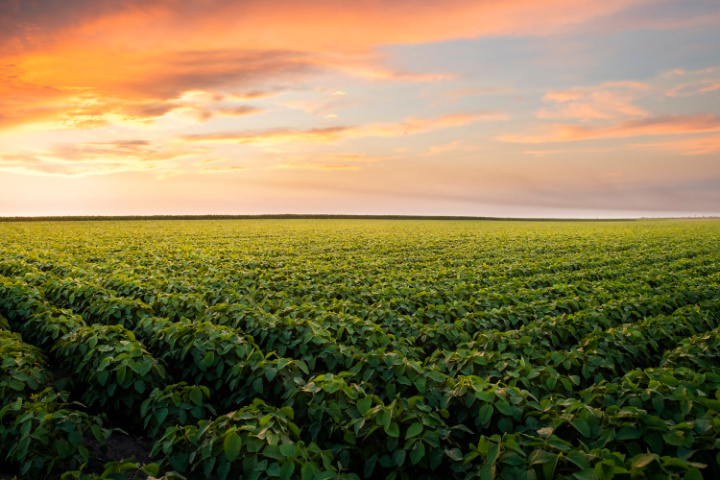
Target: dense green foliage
point(321, 349)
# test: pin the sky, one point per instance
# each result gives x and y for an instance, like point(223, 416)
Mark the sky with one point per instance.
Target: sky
point(519, 108)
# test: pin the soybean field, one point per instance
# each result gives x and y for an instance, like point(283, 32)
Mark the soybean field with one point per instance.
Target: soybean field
point(360, 349)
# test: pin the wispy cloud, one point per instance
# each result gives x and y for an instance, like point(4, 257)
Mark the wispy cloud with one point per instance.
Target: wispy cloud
point(96, 158)
point(280, 135)
point(566, 151)
point(316, 166)
point(327, 162)
point(410, 126)
point(695, 88)
point(228, 169)
point(610, 100)
point(454, 146)
point(472, 91)
point(205, 114)
point(322, 107)
point(702, 145)
point(664, 125)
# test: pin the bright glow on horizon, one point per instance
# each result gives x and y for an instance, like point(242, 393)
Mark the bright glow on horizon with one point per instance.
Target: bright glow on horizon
point(562, 108)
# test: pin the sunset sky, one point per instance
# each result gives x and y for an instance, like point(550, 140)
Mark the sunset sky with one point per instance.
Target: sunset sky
point(523, 108)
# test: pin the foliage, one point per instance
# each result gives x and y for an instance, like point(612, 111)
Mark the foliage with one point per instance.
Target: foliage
point(115, 369)
point(175, 405)
point(257, 441)
point(23, 368)
point(357, 349)
point(44, 434)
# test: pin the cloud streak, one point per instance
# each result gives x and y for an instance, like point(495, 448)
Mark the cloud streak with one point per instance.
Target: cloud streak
point(703, 145)
point(410, 126)
point(611, 100)
point(663, 125)
point(95, 158)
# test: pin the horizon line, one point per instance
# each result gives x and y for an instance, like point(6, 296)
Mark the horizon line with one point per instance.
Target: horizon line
point(293, 216)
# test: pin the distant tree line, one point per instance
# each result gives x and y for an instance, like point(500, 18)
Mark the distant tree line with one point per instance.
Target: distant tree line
point(288, 216)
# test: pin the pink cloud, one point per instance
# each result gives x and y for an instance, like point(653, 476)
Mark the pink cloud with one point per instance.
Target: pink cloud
point(329, 134)
point(610, 100)
point(686, 146)
point(664, 125)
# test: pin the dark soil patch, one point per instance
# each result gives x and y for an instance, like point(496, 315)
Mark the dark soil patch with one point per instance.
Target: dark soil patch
point(6, 474)
point(119, 447)
point(61, 378)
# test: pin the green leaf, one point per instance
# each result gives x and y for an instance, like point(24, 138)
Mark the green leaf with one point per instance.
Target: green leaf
point(399, 457)
point(232, 446)
point(288, 412)
point(550, 382)
point(487, 472)
point(493, 453)
point(539, 457)
point(417, 452)
point(196, 396)
point(120, 374)
point(643, 460)
point(414, 429)
point(579, 460)
point(208, 360)
point(98, 433)
point(287, 470)
point(693, 474)
point(485, 414)
point(151, 469)
point(16, 385)
point(257, 385)
point(75, 438)
point(307, 472)
point(393, 430)
point(384, 418)
point(627, 433)
point(581, 426)
point(349, 437)
point(160, 415)
point(139, 386)
point(363, 405)
point(288, 450)
point(454, 454)
point(370, 466)
point(141, 368)
point(102, 377)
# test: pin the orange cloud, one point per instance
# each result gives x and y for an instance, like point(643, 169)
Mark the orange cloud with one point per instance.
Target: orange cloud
point(322, 107)
point(665, 125)
point(331, 134)
point(95, 158)
point(314, 25)
point(315, 166)
point(86, 87)
point(348, 161)
point(133, 58)
point(545, 153)
point(282, 135)
point(686, 146)
point(421, 125)
point(230, 169)
point(606, 101)
point(695, 88)
point(450, 147)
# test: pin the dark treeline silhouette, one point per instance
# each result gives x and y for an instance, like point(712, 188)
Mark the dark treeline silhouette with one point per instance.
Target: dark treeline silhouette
point(288, 216)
